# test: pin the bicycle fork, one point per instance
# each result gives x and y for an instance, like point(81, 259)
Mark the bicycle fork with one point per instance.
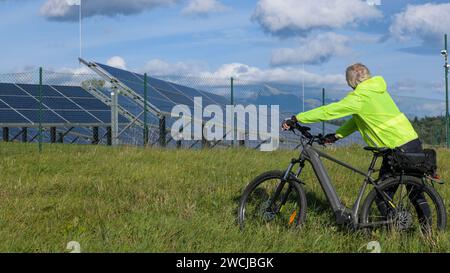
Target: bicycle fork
point(283, 182)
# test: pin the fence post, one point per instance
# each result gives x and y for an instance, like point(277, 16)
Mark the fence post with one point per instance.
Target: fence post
point(162, 131)
point(40, 110)
point(145, 111)
point(323, 103)
point(53, 134)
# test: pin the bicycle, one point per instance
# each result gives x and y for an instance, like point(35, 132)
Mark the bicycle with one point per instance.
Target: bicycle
point(266, 199)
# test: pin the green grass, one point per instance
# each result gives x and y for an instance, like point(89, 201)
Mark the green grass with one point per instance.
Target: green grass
point(152, 200)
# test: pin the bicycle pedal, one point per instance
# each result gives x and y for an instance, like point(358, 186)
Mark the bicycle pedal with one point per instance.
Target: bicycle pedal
point(436, 179)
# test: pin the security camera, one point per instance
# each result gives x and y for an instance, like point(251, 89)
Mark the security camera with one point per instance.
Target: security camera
point(444, 52)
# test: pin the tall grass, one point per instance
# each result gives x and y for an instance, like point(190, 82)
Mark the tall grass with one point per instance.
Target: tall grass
point(151, 200)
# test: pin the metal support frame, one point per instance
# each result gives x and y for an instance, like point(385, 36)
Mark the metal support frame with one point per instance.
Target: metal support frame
point(24, 134)
point(108, 136)
point(128, 115)
point(114, 117)
point(5, 134)
point(138, 99)
point(261, 143)
point(241, 143)
point(17, 135)
point(179, 141)
point(34, 137)
point(145, 111)
point(162, 131)
point(95, 136)
point(61, 137)
point(205, 142)
point(53, 134)
point(74, 140)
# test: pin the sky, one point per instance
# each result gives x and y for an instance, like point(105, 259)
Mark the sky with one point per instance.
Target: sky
point(286, 41)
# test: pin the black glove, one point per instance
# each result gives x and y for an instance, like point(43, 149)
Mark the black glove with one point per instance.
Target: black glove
point(288, 124)
point(330, 138)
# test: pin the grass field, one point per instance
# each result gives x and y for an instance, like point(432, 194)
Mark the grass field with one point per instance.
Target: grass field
point(151, 200)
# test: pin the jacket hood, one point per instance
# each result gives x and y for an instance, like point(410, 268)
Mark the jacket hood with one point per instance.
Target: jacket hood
point(374, 84)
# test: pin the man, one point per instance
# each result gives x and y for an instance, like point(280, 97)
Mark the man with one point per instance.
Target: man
point(374, 114)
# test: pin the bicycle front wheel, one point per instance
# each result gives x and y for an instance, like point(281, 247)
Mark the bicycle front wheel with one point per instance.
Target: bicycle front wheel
point(268, 200)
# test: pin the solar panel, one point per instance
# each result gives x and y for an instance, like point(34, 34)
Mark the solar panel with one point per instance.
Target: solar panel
point(20, 102)
point(33, 90)
point(74, 92)
point(61, 105)
point(12, 116)
point(3, 105)
point(48, 116)
point(162, 94)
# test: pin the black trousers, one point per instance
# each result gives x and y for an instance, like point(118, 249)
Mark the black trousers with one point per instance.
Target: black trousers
point(416, 197)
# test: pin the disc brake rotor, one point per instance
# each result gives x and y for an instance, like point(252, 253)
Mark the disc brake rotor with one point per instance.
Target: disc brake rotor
point(402, 218)
point(265, 211)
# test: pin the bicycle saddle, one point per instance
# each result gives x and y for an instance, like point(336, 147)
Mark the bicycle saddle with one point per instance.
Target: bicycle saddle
point(377, 149)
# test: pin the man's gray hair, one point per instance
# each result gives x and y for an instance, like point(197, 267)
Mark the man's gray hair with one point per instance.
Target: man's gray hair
point(356, 74)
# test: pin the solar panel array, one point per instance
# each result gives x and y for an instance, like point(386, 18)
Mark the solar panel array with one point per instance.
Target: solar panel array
point(162, 94)
point(61, 106)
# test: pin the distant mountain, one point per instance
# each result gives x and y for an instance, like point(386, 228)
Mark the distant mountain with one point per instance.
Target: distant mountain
point(290, 100)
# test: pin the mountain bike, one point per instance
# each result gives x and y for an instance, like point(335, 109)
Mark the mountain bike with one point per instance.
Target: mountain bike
point(278, 197)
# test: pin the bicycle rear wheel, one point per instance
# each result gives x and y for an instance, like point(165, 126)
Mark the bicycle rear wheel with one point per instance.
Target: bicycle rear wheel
point(418, 206)
point(262, 204)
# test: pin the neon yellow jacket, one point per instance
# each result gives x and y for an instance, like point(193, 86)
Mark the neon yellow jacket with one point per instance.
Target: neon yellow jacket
point(375, 115)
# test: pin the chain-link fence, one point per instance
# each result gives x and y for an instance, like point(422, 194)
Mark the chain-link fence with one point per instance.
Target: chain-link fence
point(49, 107)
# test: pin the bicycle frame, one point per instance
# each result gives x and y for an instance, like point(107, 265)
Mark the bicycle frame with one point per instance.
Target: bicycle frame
point(342, 213)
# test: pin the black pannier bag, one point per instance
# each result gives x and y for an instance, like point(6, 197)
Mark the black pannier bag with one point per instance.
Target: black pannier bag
point(424, 163)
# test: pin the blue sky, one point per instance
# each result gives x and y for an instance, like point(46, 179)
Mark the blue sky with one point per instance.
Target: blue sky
point(259, 39)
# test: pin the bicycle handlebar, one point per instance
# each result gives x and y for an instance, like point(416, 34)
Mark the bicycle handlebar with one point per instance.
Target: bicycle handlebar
point(305, 132)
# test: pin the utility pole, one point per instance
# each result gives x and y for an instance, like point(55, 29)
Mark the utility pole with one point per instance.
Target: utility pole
point(446, 67)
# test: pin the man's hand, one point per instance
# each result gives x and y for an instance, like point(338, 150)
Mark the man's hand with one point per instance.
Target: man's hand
point(330, 138)
point(288, 124)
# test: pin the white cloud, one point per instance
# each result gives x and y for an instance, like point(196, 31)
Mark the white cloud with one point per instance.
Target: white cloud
point(203, 7)
point(117, 62)
point(61, 10)
point(427, 22)
point(243, 73)
point(289, 17)
point(313, 50)
point(157, 67)
point(82, 70)
point(287, 75)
